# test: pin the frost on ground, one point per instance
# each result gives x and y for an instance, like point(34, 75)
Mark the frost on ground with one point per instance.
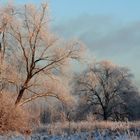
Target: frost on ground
point(93, 135)
point(84, 130)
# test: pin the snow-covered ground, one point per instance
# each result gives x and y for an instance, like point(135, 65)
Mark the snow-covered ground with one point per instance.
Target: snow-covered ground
point(95, 135)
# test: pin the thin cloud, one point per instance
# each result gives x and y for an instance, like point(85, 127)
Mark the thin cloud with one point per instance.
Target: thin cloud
point(106, 38)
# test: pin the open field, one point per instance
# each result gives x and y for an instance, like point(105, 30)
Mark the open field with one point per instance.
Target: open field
point(82, 126)
point(84, 130)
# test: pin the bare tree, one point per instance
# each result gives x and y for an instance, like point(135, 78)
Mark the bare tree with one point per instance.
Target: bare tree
point(34, 57)
point(103, 85)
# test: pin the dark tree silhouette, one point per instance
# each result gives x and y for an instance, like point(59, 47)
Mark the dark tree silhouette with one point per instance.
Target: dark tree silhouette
point(103, 85)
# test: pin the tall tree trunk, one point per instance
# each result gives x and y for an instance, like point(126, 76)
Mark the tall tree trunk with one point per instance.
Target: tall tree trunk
point(21, 92)
point(19, 96)
point(105, 117)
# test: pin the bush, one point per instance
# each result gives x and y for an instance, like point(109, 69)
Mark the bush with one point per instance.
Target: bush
point(12, 118)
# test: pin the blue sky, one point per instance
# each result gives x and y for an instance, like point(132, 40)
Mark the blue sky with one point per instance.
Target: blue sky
point(109, 28)
point(125, 9)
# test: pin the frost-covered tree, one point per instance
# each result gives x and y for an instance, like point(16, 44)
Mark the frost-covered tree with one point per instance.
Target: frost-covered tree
point(34, 59)
point(106, 86)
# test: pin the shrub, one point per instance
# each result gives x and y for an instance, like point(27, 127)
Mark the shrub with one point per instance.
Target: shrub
point(12, 119)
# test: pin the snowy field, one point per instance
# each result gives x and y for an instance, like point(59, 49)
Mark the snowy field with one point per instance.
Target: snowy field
point(84, 130)
point(94, 135)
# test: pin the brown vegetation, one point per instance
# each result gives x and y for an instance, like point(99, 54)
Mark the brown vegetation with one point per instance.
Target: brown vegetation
point(89, 126)
point(33, 62)
point(11, 118)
